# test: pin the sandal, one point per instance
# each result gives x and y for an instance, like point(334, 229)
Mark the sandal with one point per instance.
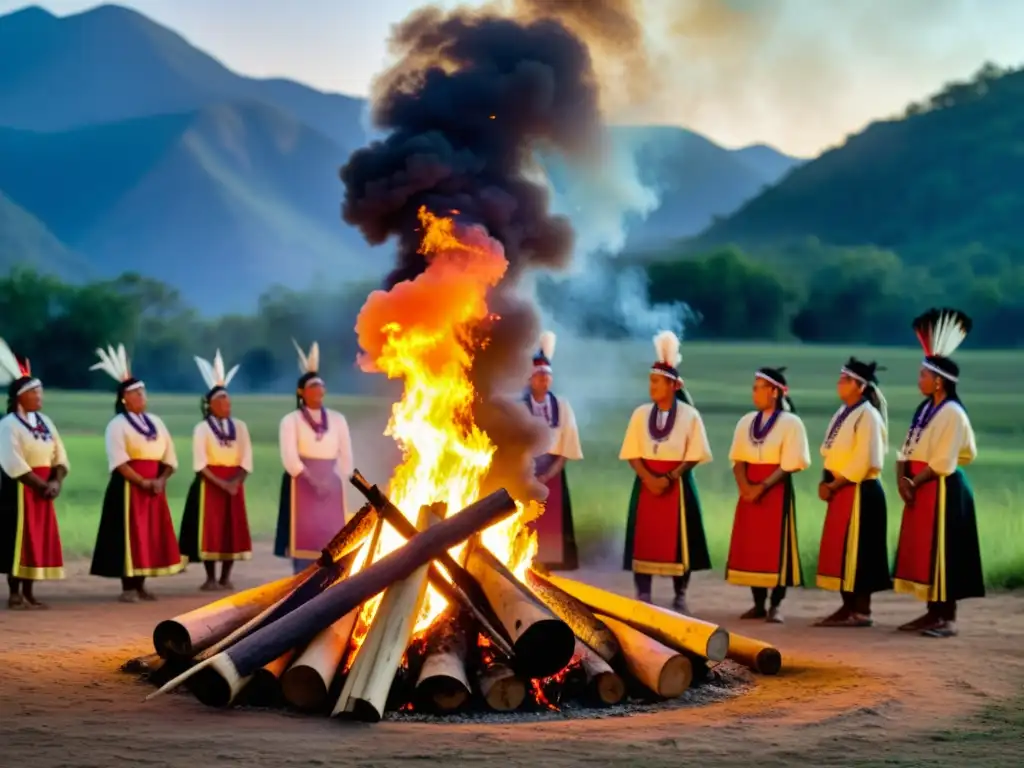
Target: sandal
point(16, 603)
point(850, 620)
point(946, 629)
point(921, 622)
point(755, 613)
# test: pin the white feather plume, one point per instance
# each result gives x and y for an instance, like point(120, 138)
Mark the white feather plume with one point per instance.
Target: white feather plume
point(9, 367)
point(547, 344)
point(113, 362)
point(213, 373)
point(666, 347)
point(948, 334)
point(308, 363)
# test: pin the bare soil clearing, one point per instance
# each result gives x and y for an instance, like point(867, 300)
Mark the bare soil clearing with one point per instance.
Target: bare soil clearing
point(845, 697)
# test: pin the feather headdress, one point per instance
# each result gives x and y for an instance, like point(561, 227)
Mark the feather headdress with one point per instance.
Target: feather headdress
point(941, 332)
point(15, 371)
point(114, 363)
point(213, 373)
point(546, 352)
point(666, 349)
point(308, 362)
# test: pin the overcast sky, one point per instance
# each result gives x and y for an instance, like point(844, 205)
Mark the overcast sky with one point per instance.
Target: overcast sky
point(797, 74)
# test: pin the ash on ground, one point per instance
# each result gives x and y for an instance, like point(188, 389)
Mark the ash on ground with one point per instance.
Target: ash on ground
point(727, 680)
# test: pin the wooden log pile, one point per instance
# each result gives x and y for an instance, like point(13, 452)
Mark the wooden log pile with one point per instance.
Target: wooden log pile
point(500, 645)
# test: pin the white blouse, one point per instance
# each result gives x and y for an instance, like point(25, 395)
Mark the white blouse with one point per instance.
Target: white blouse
point(124, 443)
point(858, 447)
point(207, 450)
point(946, 443)
point(298, 442)
point(688, 441)
point(785, 445)
point(563, 440)
point(20, 452)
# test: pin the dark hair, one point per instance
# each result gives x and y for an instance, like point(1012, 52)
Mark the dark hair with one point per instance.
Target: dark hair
point(122, 390)
point(947, 366)
point(12, 392)
point(304, 379)
point(683, 395)
point(868, 372)
point(785, 402)
point(205, 400)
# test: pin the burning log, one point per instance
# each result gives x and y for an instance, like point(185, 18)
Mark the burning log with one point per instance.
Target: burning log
point(662, 670)
point(500, 688)
point(185, 635)
point(755, 655)
point(302, 624)
point(579, 617)
point(604, 685)
point(542, 642)
point(668, 627)
point(264, 688)
point(369, 680)
point(443, 685)
point(462, 589)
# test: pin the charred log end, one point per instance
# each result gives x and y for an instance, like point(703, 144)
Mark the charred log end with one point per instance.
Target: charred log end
point(675, 677)
point(768, 661)
point(544, 649)
point(365, 712)
point(442, 694)
point(264, 690)
point(609, 689)
point(211, 687)
point(303, 688)
point(718, 645)
point(172, 640)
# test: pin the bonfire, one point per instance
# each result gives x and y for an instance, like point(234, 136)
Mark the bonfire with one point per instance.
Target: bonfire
point(427, 598)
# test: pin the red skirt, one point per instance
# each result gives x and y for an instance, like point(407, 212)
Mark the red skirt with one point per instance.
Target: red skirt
point(215, 525)
point(136, 535)
point(665, 534)
point(30, 545)
point(763, 550)
point(556, 538)
point(853, 555)
point(939, 558)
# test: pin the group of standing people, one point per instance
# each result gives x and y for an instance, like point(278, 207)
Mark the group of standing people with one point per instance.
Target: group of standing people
point(136, 538)
point(938, 557)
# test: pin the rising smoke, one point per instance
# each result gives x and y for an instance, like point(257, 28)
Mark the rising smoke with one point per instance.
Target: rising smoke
point(470, 100)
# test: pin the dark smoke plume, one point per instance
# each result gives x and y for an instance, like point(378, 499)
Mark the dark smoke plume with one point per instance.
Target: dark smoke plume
point(472, 96)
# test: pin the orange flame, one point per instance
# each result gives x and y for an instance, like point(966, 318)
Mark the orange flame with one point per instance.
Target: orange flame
point(424, 331)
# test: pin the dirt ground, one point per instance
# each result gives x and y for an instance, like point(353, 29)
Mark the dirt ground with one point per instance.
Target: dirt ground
point(846, 696)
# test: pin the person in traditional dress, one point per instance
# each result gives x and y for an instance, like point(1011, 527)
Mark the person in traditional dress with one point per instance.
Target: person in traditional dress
point(853, 558)
point(316, 450)
point(215, 526)
point(33, 465)
point(136, 535)
point(664, 441)
point(938, 559)
point(768, 447)
point(556, 540)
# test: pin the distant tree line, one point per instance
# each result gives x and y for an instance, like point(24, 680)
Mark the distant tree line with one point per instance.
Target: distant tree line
point(821, 294)
point(60, 325)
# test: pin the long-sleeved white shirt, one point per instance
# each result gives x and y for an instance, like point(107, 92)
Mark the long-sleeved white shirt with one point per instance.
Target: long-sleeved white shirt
point(207, 450)
point(858, 448)
point(786, 444)
point(20, 452)
point(688, 440)
point(563, 440)
point(298, 441)
point(125, 443)
point(946, 443)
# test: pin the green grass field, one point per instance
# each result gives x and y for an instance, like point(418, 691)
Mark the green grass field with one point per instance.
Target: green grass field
point(604, 381)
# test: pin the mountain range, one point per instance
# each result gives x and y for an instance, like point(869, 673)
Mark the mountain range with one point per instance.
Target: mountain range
point(124, 147)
